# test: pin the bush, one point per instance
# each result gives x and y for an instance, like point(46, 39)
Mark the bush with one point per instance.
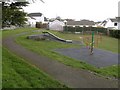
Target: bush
point(41, 25)
point(114, 33)
point(85, 29)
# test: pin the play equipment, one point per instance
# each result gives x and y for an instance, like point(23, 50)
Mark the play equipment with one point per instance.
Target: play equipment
point(51, 35)
point(93, 41)
point(97, 40)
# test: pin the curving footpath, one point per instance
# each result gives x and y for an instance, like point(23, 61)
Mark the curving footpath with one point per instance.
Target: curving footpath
point(74, 78)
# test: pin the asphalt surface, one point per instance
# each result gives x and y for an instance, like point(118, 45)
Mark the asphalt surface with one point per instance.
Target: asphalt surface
point(74, 78)
point(100, 58)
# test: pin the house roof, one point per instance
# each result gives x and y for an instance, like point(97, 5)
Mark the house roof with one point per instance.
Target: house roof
point(117, 19)
point(98, 22)
point(53, 19)
point(113, 20)
point(104, 23)
point(35, 14)
point(82, 22)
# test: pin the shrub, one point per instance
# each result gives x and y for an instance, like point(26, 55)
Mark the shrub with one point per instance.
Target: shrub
point(114, 33)
point(85, 29)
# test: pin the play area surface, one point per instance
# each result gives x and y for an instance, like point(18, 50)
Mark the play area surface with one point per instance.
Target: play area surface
point(100, 58)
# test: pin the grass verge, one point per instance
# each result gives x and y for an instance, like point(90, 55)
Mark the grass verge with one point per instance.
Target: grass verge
point(19, 74)
point(6, 33)
point(46, 48)
point(107, 43)
point(16, 73)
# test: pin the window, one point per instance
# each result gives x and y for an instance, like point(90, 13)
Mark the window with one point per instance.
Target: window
point(115, 24)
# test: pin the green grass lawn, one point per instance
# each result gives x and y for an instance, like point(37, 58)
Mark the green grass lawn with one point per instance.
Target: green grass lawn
point(107, 43)
point(17, 73)
point(46, 48)
point(14, 74)
point(6, 33)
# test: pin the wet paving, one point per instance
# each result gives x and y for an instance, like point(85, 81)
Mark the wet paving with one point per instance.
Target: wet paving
point(100, 58)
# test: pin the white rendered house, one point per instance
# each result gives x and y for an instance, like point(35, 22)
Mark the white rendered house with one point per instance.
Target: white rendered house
point(111, 23)
point(33, 18)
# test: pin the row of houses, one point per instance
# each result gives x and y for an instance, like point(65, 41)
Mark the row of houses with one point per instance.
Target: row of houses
point(111, 23)
point(57, 23)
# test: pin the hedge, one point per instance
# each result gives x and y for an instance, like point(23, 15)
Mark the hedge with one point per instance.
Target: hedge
point(85, 29)
point(41, 25)
point(112, 33)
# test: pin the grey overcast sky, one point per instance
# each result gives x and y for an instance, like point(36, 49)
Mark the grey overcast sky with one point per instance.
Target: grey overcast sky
point(96, 10)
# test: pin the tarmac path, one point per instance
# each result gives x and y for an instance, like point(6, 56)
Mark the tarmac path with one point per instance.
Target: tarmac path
point(74, 78)
point(100, 58)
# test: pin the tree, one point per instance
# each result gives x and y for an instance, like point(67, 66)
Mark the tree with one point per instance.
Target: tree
point(12, 13)
point(21, 1)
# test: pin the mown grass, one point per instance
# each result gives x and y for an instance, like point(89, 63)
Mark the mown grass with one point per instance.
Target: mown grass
point(6, 33)
point(107, 43)
point(19, 74)
point(46, 48)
